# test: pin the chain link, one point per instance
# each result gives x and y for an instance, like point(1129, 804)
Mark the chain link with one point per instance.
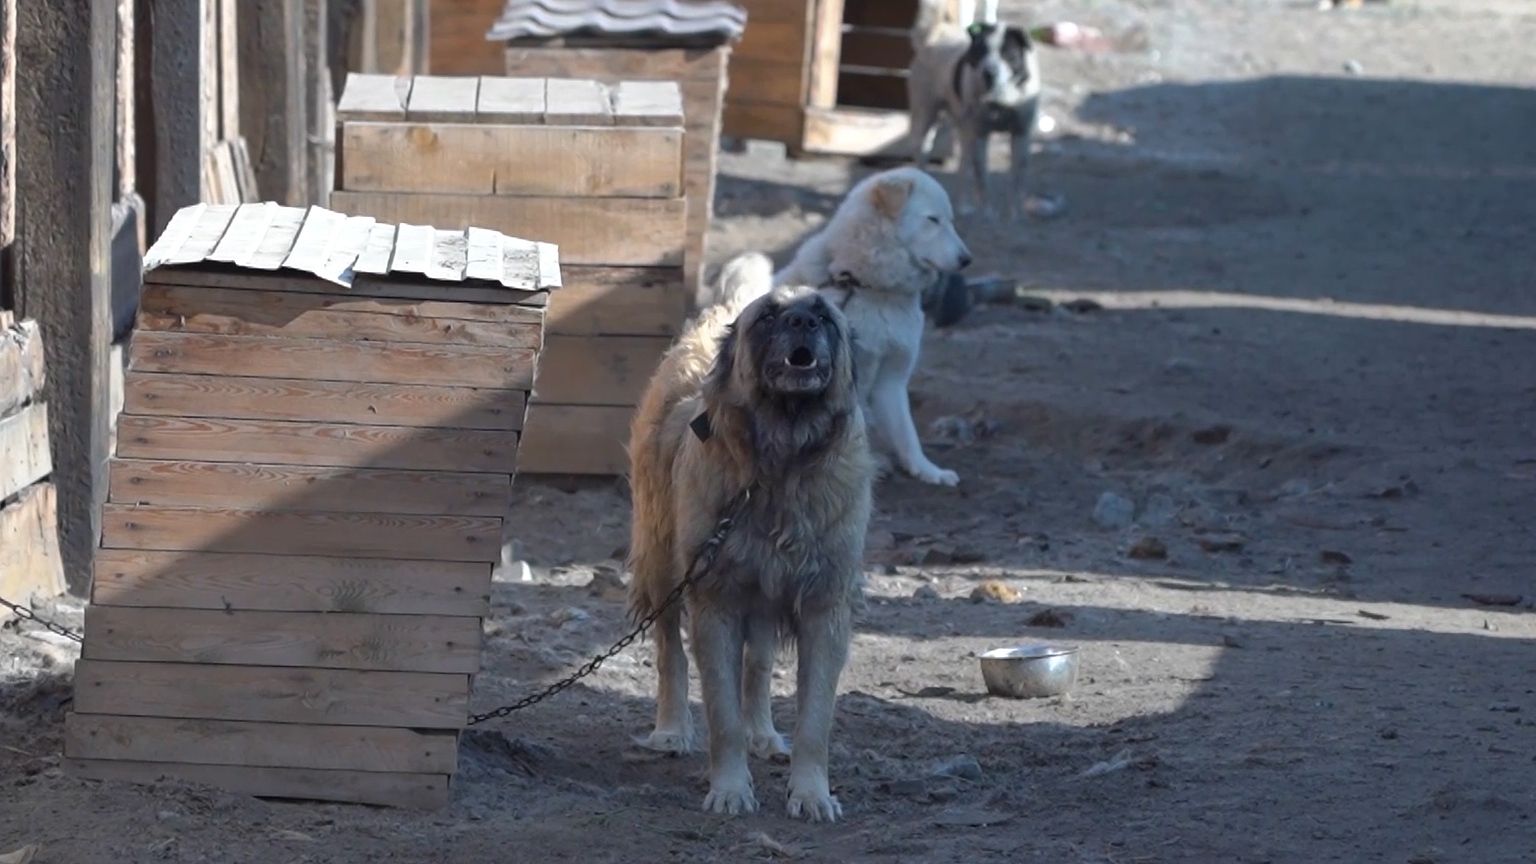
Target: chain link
point(27, 614)
point(702, 561)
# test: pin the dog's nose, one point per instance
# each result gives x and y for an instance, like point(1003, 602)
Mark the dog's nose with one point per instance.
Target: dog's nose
point(801, 320)
point(965, 260)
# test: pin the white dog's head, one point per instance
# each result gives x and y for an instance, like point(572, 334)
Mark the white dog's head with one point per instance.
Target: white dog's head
point(896, 232)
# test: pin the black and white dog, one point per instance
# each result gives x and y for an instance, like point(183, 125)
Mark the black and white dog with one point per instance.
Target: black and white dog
point(983, 78)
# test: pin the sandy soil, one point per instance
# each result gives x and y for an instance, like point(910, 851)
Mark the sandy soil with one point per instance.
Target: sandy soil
point(1311, 237)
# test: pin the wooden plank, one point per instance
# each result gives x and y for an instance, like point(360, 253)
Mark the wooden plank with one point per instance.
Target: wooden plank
point(413, 249)
point(775, 80)
point(483, 254)
point(311, 248)
point(597, 370)
point(323, 401)
point(316, 316)
point(272, 106)
point(275, 244)
point(443, 99)
point(373, 362)
point(24, 456)
point(341, 260)
point(826, 46)
point(270, 745)
point(647, 103)
point(30, 565)
point(765, 122)
point(512, 160)
point(387, 789)
point(511, 100)
point(183, 103)
point(619, 301)
point(364, 285)
point(344, 697)
point(22, 370)
point(637, 232)
point(612, 65)
point(373, 97)
point(7, 137)
point(853, 132)
point(457, 38)
point(334, 445)
point(252, 486)
point(379, 250)
point(244, 233)
point(229, 70)
point(325, 640)
point(576, 102)
point(576, 439)
point(450, 256)
point(365, 535)
point(204, 235)
point(290, 583)
point(280, 299)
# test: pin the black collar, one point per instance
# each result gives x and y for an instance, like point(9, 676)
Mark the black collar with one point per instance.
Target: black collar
point(845, 282)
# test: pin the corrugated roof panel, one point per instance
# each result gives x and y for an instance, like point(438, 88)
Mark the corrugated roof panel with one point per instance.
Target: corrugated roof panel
point(659, 19)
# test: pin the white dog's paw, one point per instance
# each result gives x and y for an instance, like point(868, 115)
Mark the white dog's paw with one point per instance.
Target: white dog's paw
point(936, 476)
point(673, 741)
point(812, 800)
point(770, 746)
point(731, 799)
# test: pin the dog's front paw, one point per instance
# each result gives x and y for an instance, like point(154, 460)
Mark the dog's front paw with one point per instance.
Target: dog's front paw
point(936, 476)
point(678, 742)
point(811, 799)
point(769, 746)
point(731, 798)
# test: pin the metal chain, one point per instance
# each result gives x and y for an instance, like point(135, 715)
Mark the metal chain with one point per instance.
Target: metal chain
point(27, 614)
point(702, 561)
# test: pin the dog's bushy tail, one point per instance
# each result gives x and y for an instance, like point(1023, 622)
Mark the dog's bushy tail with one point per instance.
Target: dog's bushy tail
point(743, 279)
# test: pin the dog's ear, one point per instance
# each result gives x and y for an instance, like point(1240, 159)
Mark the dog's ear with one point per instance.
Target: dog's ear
point(1016, 43)
point(890, 195)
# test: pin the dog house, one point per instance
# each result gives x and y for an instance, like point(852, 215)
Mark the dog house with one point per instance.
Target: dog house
point(313, 461)
point(825, 76)
point(639, 40)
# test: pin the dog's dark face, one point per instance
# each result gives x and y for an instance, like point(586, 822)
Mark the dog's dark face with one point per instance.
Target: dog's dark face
point(998, 64)
point(793, 341)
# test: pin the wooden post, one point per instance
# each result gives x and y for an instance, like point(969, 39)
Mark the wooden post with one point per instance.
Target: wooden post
point(272, 106)
point(7, 146)
point(67, 56)
point(320, 122)
point(185, 122)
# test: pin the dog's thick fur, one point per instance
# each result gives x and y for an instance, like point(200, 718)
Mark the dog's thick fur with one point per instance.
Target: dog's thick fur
point(715, 420)
point(983, 78)
point(894, 237)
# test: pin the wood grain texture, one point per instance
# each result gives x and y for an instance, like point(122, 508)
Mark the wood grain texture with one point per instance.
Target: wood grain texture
point(267, 745)
point(24, 454)
point(241, 398)
point(363, 535)
point(289, 583)
point(333, 360)
point(576, 439)
point(413, 791)
point(443, 99)
point(458, 43)
point(369, 286)
point(250, 486)
point(323, 444)
point(22, 368)
point(373, 97)
point(775, 79)
point(853, 131)
point(647, 103)
point(345, 697)
point(637, 232)
point(622, 301)
point(825, 47)
point(328, 640)
point(576, 102)
point(231, 312)
point(765, 122)
point(30, 565)
point(511, 100)
point(598, 370)
point(512, 160)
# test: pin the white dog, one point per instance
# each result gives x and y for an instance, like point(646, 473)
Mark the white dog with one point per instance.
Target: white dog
point(888, 242)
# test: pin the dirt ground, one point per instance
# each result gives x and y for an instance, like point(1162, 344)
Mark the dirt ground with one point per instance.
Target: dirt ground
point(1311, 372)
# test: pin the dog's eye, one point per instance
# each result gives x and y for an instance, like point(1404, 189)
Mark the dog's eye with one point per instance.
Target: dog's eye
point(935, 220)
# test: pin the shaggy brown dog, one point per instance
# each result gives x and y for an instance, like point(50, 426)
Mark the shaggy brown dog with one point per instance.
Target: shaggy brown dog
point(764, 401)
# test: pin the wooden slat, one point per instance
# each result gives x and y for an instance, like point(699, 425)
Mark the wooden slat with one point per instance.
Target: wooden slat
point(619, 301)
point(269, 745)
point(326, 640)
point(341, 259)
point(244, 233)
point(457, 36)
point(22, 367)
point(346, 697)
point(204, 235)
point(450, 256)
point(373, 97)
point(374, 362)
point(613, 65)
point(318, 444)
point(483, 259)
point(236, 398)
point(826, 45)
point(24, 455)
point(647, 103)
point(512, 160)
point(443, 99)
point(576, 439)
point(576, 102)
point(276, 243)
point(253, 486)
point(853, 132)
point(364, 535)
point(176, 233)
point(29, 546)
point(364, 286)
point(289, 583)
point(775, 79)
point(413, 249)
point(387, 789)
point(765, 122)
point(312, 245)
point(511, 100)
point(379, 250)
point(611, 231)
point(549, 265)
point(315, 316)
point(597, 370)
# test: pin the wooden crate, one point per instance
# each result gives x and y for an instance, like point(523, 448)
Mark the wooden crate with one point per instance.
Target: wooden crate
point(317, 445)
point(596, 168)
point(30, 566)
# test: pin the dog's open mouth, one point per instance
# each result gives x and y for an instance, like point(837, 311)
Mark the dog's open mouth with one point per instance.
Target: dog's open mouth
point(801, 358)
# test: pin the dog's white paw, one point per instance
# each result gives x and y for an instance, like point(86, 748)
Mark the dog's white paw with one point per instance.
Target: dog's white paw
point(731, 798)
point(676, 742)
point(770, 746)
point(811, 799)
point(936, 476)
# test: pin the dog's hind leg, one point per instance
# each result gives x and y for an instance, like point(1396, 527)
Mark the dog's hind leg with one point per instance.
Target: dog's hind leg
point(973, 163)
point(717, 648)
point(822, 637)
point(924, 113)
point(757, 688)
point(1018, 157)
point(674, 722)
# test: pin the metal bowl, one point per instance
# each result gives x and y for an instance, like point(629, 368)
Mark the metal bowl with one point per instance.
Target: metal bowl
point(1029, 671)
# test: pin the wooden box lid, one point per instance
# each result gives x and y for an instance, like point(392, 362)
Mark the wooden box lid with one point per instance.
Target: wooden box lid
point(521, 101)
